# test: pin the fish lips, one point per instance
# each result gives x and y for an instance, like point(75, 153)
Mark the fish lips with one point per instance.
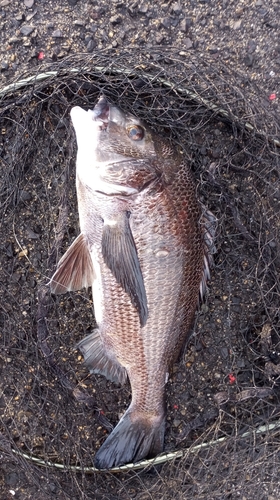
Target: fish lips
point(101, 111)
point(104, 113)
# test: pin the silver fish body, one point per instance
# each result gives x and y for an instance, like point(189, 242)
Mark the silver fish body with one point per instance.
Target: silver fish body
point(142, 250)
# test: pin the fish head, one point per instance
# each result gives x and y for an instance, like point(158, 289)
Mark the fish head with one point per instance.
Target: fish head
point(117, 152)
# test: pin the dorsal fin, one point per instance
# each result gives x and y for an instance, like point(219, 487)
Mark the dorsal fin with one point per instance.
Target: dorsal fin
point(209, 224)
point(74, 270)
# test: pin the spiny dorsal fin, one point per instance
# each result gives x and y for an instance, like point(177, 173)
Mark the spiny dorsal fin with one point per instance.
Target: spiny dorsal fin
point(120, 255)
point(209, 226)
point(74, 270)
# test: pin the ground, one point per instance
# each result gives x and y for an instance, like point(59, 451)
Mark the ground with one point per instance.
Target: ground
point(234, 345)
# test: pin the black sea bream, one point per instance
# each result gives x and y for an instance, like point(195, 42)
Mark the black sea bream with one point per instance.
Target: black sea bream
point(142, 251)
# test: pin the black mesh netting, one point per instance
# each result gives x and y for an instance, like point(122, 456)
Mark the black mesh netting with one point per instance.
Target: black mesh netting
point(223, 428)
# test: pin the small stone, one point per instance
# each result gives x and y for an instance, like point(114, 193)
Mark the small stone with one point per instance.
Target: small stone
point(25, 196)
point(12, 479)
point(23, 253)
point(177, 8)
point(57, 34)
point(79, 22)
point(30, 15)
point(159, 38)
point(73, 2)
point(239, 11)
point(249, 60)
point(91, 45)
point(52, 487)
point(28, 3)
point(237, 24)
point(4, 3)
point(213, 49)
point(185, 24)
point(4, 66)
point(88, 37)
point(26, 30)
point(236, 300)
point(20, 18)
point(224, 352)
point(241, 363)
point(143, 9)
point(31, 234)
point(188, 43)
point(166, 22)
point(176, 422)
point(116, 19)
point(251, 46)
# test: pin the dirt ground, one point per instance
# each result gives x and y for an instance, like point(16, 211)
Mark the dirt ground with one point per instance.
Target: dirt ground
point(226, 383)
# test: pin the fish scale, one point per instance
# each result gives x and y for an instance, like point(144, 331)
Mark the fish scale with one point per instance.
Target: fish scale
point(142, 249)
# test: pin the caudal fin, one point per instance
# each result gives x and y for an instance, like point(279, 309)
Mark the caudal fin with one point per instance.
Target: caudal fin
point(134, 438)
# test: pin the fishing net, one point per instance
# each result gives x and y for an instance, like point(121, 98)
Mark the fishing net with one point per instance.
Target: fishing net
point(223, 427)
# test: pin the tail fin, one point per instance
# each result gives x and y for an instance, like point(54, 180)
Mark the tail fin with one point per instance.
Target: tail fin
point(136, 436)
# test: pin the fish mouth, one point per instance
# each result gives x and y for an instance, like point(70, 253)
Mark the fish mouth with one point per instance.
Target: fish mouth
point(105, 113)
point(101, 111)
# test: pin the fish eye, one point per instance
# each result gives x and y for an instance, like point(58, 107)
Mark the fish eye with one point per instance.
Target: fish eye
point(135, 132)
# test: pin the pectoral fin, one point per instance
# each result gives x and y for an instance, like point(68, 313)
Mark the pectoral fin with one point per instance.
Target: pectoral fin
point(120, 255)
point(74, 270)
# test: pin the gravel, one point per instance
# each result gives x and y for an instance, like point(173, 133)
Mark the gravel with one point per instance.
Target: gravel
point(244, 35)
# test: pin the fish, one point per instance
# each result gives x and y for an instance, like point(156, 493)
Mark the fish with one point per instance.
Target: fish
point(142, 248)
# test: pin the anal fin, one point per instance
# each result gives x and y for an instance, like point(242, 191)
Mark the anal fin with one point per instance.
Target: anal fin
point(74, 270)
point(99, 360)
point(120, 255)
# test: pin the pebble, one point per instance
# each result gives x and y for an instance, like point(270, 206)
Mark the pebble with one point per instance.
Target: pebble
point(237, 24)
point(57, 34)
point(116, 19)
point(159, 38)
point(25, 196)
point(4, 3)
point(52, 487)
point(224, 352)
point(88, 37)
point(4, 65)
point(249, 60)
point(23, 253)
point(251, 46)
point(30, 15)
point(91, 45)
point(143, 9)
point(31, 234)
point(185, 24)
point(176, 422)
point(79, 22)
point(166, 22)
point(176, 8)
point(12, 479)
point(28, 3)
point(188, 43)
point(26, 30)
